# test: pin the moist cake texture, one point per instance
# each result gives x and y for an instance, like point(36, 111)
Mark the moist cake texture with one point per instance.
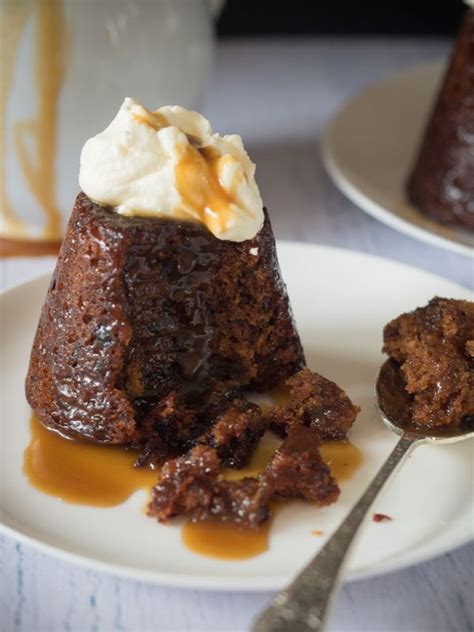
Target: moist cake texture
point(434, 348)
point(139, 308)
point(191, 485)
point(317, 402)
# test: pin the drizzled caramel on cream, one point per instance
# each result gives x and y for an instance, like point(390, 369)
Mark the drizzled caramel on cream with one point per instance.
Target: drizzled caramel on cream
point(38, 167)
point(197, 181)
point(155, 120)
point(168, 163)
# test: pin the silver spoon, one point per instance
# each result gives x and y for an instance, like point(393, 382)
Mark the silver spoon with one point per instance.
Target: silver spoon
point(304, 604)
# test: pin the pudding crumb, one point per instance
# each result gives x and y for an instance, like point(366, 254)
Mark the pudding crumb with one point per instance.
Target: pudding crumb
point(380, 517)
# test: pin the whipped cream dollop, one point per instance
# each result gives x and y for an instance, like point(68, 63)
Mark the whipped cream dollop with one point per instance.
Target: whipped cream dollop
point(170, 164)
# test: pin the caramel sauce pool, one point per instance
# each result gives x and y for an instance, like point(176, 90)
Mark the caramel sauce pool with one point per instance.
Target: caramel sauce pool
point(102, 476)
point(226, 541)
point(82, 473)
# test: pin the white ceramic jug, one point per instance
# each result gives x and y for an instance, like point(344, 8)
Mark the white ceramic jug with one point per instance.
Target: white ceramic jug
point(66, 66)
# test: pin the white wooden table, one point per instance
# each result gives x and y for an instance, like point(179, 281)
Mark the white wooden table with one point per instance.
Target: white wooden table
point(279, 95)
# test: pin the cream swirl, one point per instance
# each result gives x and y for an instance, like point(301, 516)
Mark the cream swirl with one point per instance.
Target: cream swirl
point(170, 164)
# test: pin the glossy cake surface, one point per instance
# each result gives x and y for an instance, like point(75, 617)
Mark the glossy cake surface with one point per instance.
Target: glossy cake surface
point(139, 308)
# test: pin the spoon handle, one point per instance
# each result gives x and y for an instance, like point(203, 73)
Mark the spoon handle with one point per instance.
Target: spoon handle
point(302, 606)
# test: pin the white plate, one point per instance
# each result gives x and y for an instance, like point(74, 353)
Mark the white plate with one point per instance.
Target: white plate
point(341, 300)
point(371, 144)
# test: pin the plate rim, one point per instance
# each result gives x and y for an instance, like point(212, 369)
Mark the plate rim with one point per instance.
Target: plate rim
point(411, 557)
point(215, 583)
point(362, 200)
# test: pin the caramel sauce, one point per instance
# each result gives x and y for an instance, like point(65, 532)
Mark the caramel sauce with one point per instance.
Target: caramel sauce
point(261, 456)
point(49, 58)
point(82, 473)
point(197, 181)
point(27, 248)
point(13, 18)
point(154, 120)
point(342, 457)
point(225, 541)
point(89, 474)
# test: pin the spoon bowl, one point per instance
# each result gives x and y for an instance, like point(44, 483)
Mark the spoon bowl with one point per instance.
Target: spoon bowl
point(393, 404)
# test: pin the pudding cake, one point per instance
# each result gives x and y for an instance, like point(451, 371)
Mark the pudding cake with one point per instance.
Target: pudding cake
point(441, 184)
point(146, 300)
point(166, 305)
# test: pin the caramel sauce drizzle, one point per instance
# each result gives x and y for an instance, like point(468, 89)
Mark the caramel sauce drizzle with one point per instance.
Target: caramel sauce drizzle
point(103, 476)
point(154, 120)
point(197, 179)
point(13, 17)
point(28, 248)
point(50, 64)
point(197, 182)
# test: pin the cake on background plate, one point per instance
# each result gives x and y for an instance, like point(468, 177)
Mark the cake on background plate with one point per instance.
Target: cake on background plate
point(441, 183)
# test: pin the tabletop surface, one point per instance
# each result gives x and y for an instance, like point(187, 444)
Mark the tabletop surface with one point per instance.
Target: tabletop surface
point(279, 95)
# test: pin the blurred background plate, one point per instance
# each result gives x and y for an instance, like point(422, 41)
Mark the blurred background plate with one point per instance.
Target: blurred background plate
point(369, 148)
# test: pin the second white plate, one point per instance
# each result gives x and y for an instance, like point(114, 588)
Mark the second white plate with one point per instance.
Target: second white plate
point(371, 144)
